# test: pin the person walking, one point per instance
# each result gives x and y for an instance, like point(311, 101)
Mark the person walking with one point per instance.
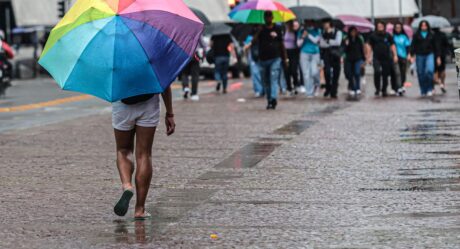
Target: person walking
point(271, 54)
point(134, 121)
point(384, 54)
point(192, 70)
point(330, 44)
point(402, 43)
point(355, 58)
point(310, 57)
point(442, 47)
point(253, 59)
point(291, 70)
point(423, 52)
point(222, 46)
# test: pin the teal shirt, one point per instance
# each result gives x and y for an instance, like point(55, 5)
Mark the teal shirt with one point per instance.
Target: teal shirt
point(308, 47)
point(424, 34)
point(402, 42)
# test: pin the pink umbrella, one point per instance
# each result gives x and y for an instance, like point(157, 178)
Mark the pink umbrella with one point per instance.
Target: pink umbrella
point(362, 24)
point(409, 31)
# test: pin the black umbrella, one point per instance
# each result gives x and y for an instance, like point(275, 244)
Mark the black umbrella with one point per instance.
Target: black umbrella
point(204, 19)
point(218, 29)
point(310, 13)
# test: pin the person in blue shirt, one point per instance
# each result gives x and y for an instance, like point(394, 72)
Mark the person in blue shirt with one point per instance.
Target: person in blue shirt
point(402, 43)
point(310, 59)
point(253, 58)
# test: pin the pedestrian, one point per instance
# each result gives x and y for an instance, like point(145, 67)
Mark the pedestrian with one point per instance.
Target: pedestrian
point(423, 52)
point(253, 59)
point(222, 47)
point(291, 71)
point(384, 55)
point(192, 70)
point(135, 120)
point(402, 43)
point(271, 54)
point(310, 58)
point(442, 47)
point(355, 58)
point(331, 53)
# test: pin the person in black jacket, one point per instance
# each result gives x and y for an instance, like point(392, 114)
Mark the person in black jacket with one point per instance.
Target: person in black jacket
point(424, 52)
point(355, 57)
point(442, 46)
point(330, 46)
point(384, 53)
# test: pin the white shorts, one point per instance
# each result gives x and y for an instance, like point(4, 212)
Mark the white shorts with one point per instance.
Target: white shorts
point(144, 114)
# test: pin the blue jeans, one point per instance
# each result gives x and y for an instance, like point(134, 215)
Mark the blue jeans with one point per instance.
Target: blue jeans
point(221, 69)
point(271, 73)
point(255, 75)
point(425, 72)
point(354, 71)
point(310, 69)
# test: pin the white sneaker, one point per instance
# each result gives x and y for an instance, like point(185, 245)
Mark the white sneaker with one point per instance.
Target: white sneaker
point(391, 92)
point(186, 92)
point(302, 89)
point(429, 94)
point(351, 93)
point(358, 92)
point(195, 98)
point(257, 95)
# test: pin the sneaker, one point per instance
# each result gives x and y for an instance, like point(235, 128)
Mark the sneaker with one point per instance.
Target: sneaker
point(429, 94)
point(302, 89)
point(352, 93)
point(218, 87)
point(392, 92)
point(257, 95)
point(195, 97)
point(186, 92)
point(401, 92)
point(358, 92)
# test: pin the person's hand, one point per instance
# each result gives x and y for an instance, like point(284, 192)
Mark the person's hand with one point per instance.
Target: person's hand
point(439, 61)
point(305, 34)
point(395, 59)
point(286, 62)
point(347, 42)
point(170, 124)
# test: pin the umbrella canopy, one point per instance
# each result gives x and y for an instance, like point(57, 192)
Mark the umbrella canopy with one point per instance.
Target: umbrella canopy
point(218, 29)
point(362, 24)
point(407, 29)
point(203, 18)
point(253, 12)
point(434, 21)
point(310, 13)
point(115, 49)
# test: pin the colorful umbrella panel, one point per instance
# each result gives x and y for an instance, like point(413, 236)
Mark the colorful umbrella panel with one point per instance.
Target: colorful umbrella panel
point(115, 49)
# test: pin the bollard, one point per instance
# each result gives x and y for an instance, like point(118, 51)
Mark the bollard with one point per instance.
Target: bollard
point(457, 63)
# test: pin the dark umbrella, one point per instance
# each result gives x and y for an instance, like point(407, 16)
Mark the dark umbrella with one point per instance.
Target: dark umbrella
point(204, 19)
point(310, 13)
point(218, 29)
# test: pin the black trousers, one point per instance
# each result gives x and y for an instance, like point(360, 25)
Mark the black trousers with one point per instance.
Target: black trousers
point(382, 70)
point(291, 71)
point(332, 70)
point(193, 70)
point(402, 63)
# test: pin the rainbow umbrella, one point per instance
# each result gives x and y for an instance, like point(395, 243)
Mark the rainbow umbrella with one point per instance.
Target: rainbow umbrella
point(115, 49)
point(253, 12)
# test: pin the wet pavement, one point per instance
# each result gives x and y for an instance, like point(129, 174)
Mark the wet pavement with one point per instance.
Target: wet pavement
point(378, 173)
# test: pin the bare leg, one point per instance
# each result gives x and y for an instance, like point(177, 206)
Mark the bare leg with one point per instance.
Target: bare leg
point(125, 148)
point(144, 142)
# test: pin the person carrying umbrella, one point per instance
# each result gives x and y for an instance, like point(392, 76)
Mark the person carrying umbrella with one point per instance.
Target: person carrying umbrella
point(271, 54)
point(330, 44)
point(355, 57)
point(310, 57)
point(381, 43)
point(423, 52)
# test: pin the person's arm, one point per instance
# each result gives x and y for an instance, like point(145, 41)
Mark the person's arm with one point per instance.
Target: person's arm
point(314, 39)
point(368, 52)
point(8, 50)
point(395, 53)
point(337, 40)
point(169, 119)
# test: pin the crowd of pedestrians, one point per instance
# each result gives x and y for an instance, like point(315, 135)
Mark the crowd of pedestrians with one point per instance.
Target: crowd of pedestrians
point(308, 58)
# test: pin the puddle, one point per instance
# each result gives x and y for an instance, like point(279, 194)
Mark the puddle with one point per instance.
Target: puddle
point(295, 127)
point(248, 156)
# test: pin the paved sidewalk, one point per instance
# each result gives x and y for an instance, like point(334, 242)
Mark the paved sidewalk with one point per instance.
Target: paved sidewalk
point(379, 173)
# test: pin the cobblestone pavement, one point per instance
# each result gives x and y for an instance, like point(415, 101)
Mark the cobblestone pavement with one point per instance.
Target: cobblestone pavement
point(378, 173)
